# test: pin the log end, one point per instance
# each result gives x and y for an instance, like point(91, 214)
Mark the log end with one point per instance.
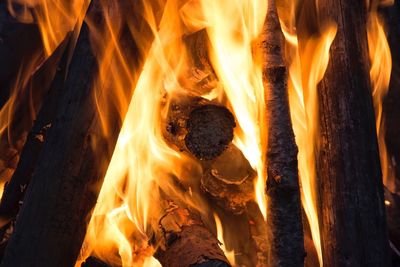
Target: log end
point(210, 130)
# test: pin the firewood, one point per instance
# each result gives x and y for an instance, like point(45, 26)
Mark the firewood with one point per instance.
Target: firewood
point(14, 191)
point(351, 203)
point(198, 126)
point(229, 179)
point(69, 171)
point(184, 241)
point(285, 230)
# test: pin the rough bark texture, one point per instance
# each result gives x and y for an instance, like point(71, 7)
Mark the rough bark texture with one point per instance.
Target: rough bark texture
point(199, 127)
point(283, 194)
point(186, 242)
point(15, 189)
point(352, 211)
point(67, 178)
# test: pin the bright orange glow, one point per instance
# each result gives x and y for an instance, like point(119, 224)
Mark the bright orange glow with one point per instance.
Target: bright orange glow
point(381, 67)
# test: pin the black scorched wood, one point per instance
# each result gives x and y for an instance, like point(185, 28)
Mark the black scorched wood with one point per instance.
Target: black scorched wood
point(352, 211)
point(67, 178)
point(285, 230)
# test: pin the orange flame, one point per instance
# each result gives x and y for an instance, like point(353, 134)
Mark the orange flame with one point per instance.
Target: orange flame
point(307, 65)
point(381, 67)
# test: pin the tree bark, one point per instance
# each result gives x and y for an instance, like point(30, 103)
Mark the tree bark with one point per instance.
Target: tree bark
point(184, 241)
point(352, 211)
point(286, 243)
point(70, 169)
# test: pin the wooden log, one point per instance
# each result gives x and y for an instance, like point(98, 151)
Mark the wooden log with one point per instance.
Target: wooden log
point(351, 211)
point(15, 189)
point(229, 180)
point(70, 169)
point(285, 230)
point(184, 241)
point(198, 126)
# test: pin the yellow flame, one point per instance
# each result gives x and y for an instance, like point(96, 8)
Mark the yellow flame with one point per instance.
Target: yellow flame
point(307, 65)
point(381, 67)
point(230, 254)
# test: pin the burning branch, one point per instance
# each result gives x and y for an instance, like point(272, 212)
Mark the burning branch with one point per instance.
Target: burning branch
point(286, 245)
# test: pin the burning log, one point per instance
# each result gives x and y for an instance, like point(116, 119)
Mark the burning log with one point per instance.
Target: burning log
point(14, 191)
point(199, 127)
point(185, 241)
point(352, 212)
point(229, 179)
point(392, 202)
point(286, 244)
point(69, 172)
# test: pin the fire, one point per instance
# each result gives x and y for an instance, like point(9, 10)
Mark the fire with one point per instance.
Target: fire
point(230, 254)
point(381, 67)
point(307, 64)
point(130, 201)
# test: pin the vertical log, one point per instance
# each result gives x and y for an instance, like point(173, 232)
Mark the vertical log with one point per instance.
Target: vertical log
point(352, 211)
point(286, 244)
point(67, 178)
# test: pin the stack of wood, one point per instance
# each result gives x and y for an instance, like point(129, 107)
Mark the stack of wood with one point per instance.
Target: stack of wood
point(59, 171)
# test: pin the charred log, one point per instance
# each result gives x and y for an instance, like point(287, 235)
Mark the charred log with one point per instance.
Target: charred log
point(285, 230)
point(15, 189)
point(197, 126)
point(184, 241)
point(69, 171)
point(352, 211)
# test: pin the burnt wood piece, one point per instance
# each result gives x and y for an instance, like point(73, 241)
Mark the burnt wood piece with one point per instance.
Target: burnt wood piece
point(199, 127)
point(15, 189)
point(69, 172)
point(351, 203)
point(21, 48)
point(285, 229)
point(229, 180)
point(184, 241)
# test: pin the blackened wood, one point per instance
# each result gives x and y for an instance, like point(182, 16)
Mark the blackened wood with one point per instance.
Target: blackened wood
point(69, 173)
point(184, 241)
point(285, 230)
point(199, 127)
point(93, 262)
point(15, 189)
point(352, 211)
